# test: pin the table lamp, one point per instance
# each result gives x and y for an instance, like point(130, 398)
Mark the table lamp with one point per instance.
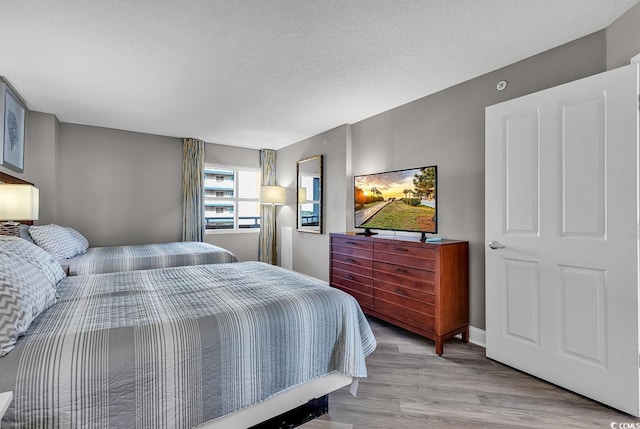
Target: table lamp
point(17, 202)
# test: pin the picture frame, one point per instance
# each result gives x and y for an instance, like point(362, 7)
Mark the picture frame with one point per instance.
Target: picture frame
point(13, 114)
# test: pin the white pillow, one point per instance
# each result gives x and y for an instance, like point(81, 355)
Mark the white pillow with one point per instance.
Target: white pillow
point(82, 244)
point(25, 292)
point(14, 246)
point(55, 239)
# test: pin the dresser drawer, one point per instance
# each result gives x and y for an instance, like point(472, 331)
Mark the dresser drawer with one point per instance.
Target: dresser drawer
point(402, 290)
point(353, 242)
point(409, 256)
point(402, 300)
point(350, 262)
point(411, 317)
point(403, 249)
point(353, 269)
point(352, 277)
point(410, 277)
point(351, 251)
point(365, 301)
point(349, 283)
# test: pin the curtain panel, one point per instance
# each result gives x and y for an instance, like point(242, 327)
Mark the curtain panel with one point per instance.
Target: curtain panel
point(193, 190)
point(267, 239)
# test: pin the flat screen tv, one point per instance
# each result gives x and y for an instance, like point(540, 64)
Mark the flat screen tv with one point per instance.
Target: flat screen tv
point(401, 200)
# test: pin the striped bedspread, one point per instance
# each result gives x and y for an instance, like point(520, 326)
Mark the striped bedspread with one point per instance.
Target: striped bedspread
point(146, 256)
point(176, 347)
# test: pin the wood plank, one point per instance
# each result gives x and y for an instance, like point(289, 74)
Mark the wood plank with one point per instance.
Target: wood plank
point(409, 387)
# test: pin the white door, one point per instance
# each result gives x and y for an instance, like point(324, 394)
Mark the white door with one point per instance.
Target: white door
point(562, 198)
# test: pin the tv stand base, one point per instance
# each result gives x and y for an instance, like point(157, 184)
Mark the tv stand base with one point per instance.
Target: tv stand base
point(367, 233)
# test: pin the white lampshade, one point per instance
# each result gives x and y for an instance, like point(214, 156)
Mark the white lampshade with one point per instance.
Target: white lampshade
point(19, 202)
point(302, 195)
point(273, 195)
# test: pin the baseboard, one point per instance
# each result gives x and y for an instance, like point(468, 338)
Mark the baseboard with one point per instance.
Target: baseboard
point(478, 336)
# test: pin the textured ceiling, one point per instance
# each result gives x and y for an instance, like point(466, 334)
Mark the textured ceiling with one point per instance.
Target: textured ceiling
point(266, 73)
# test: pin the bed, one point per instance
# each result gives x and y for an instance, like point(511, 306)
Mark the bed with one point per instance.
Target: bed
point(175, 347)
point(112, 259)
point(72, 250)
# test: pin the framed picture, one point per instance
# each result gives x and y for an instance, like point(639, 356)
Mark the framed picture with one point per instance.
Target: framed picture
point(13, 113)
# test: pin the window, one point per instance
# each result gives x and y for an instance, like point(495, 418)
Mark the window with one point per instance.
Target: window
point(231, 198)
point(310, 211)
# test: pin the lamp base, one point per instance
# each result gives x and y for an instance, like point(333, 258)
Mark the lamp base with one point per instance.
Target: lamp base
point(11, 229)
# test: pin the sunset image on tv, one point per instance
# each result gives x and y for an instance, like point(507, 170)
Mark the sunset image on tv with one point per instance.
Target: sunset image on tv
point(397, 200)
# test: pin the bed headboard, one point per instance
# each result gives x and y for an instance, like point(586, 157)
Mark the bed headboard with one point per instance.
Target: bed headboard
point(7, 178)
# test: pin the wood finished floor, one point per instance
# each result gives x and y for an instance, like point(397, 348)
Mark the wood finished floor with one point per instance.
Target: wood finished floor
point(409, 386)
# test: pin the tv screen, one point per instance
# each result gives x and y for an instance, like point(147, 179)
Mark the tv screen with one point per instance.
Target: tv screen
point(401, 200)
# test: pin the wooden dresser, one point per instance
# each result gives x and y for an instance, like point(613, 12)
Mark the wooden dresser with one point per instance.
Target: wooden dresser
point(422, 287)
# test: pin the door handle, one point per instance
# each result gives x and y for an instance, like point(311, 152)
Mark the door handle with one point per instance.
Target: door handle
point(496, 245)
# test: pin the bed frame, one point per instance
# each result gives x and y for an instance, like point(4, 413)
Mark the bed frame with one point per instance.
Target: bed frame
point(7, 178)
point(286, 409)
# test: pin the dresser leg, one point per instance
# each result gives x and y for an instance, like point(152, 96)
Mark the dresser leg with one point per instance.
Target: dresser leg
point(439, 346)
point(465, 334)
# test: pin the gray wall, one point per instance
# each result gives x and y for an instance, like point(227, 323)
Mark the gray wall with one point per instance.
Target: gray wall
point(447, 129)
point(623, 38)
point(119, 187)
point(243, 244)
point(311, 254)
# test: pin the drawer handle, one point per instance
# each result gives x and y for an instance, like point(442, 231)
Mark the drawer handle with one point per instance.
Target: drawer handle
point(348, 277)
point(401, 249)
point(350, 260)
point(401, 292)
point(355, 243)
point(401, 271)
